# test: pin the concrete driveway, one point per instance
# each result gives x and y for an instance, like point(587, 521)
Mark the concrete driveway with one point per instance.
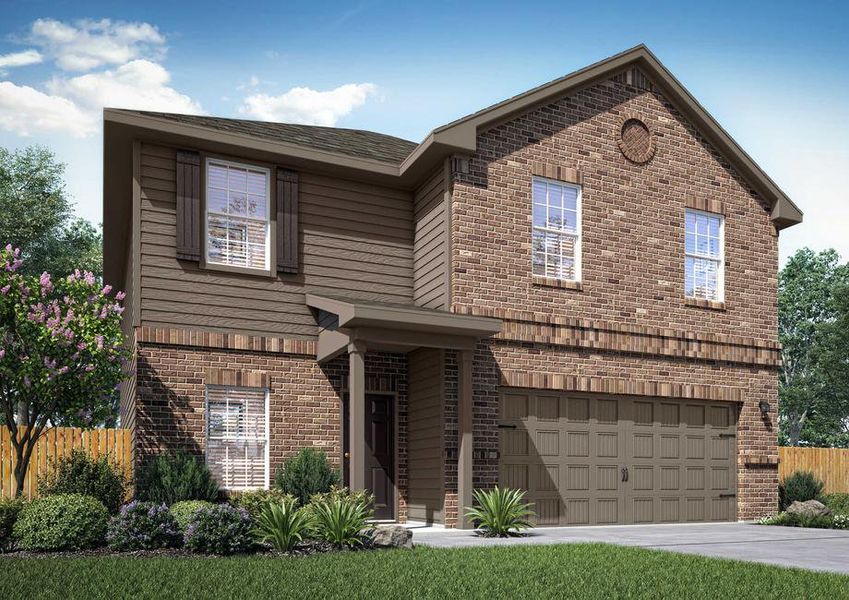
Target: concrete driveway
point(817, 549)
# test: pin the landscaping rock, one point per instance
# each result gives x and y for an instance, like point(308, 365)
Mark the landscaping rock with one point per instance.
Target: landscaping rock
point(392, 536)
point(812, 508)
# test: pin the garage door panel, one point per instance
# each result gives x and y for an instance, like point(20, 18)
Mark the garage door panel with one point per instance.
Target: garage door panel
point(578, 410)
point(577, 444)
point(670, 509)
point(547, 442)
point(643, 445)
point(515, 476)
point(607, 511)
point(547, 511)
point(607, 444)
point(607, 478)
point(601, 460)
point(548, 408)
point(670, 478)
point(607, 412)
point(670, 446)
point(577, 511)
point(695, 445)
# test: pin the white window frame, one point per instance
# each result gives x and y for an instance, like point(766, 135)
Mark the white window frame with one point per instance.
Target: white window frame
point(720, 272)
point(229, 163)
point(267, 474)
point(579, 237)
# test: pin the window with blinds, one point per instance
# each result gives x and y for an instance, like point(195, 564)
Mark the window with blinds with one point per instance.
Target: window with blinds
point(237, 437)
point(556, 229)
point(704, 261)
point(237, 215)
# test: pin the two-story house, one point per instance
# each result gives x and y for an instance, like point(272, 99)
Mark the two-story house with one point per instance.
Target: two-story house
point(571, 292)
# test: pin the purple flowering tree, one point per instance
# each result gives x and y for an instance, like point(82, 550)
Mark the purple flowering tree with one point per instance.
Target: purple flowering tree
point(61, 353)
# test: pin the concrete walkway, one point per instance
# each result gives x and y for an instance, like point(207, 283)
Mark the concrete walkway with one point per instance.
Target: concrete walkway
point(817, 549)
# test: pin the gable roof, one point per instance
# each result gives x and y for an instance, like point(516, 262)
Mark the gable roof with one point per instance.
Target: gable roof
point(404, 163)
point(385, 159)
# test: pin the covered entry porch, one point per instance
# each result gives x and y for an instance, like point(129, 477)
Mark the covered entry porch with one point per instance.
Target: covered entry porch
point(431, 339)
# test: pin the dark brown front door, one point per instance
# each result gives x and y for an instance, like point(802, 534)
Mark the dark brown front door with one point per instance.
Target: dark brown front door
point(380, 451)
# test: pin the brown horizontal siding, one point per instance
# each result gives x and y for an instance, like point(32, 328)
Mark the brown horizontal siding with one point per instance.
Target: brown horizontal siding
point(356, 241)
point(430, 244)
point(424, 436)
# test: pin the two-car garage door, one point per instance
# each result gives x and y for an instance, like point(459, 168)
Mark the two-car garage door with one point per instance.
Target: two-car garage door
point(589, 460)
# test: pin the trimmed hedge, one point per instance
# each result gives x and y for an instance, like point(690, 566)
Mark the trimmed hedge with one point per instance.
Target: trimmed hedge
point(61, 522)
point(185, 510)
point(9, 510)
point(219, 529)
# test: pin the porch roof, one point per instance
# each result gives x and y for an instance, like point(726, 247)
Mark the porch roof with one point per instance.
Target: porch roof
point(393, 327)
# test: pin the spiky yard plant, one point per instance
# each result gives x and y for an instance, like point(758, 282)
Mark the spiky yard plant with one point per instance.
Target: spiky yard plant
point(341, 521)
point(281, 524)
point(500, 512)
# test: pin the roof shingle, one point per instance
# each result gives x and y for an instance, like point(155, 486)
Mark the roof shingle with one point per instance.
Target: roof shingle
point(351, 142)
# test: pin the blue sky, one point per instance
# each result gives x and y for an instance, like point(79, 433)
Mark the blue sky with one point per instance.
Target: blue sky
point(775, 75)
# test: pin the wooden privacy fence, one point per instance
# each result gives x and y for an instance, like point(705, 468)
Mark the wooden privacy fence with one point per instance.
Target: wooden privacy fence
point(831, 465)
point(57, 442)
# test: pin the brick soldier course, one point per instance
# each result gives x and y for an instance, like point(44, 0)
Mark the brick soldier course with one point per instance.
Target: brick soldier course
point(642, 152)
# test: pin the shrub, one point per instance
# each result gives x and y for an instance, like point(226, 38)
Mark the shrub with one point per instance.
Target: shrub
point(811, 521)
point(143, 526)
point(500, 512)
point(171, 478)
point(840, 521)
point(343, 493)
point(799, 486)
point(837, 503)
point(364, 497)
point(305, 474)
point(219, 529)
point(255, 500)
point(61, 522)
point(9, 510)
point(183, 511)
point(340, 521)
point(281, 524)
point(79, 473)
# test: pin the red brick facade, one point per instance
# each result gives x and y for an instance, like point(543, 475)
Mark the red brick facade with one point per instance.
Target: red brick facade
point(304, 399)
point(612, 332)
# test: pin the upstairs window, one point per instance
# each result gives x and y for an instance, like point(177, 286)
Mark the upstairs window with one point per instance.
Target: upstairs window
point(237, 215)
point(237, 437)
point(556, 229)
point(704, 262)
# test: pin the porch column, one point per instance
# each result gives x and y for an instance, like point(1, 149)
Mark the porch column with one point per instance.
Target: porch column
point(465, 441)
point(357, 414)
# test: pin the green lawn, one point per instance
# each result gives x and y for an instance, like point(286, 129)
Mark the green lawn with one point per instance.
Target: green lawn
point(575, 570)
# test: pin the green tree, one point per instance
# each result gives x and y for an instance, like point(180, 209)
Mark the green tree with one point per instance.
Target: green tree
point(812, 304)
point(38, 218)
point(61, 353)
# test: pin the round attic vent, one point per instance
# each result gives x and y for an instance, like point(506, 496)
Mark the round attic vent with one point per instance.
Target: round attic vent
point(636, 141)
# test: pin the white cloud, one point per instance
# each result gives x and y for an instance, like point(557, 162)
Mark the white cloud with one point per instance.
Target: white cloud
point(308, 106)
point(89, 44)
point(20, 59)
point(139, 84)
point(25, 110)
point(74, 104)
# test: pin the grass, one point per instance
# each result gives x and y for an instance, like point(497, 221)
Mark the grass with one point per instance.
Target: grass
point(573, 570)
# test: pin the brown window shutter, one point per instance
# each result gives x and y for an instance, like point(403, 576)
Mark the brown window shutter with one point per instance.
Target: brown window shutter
point(287, 221)
point(188, 205)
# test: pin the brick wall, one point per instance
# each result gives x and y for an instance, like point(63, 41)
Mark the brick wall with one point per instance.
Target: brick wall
point(632, 271)
point(304, 399)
